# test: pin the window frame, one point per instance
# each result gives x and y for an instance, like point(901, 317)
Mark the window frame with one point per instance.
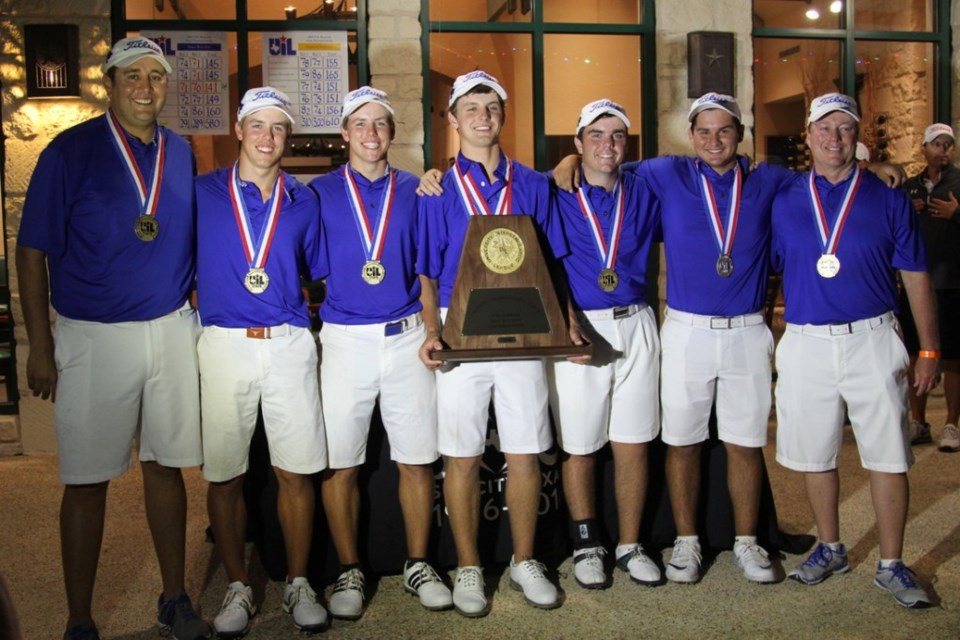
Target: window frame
point(537, 28)
point(848, 38)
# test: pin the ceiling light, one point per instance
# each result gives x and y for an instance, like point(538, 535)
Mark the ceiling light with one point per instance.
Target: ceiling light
point(836, 6)
point(812, 14)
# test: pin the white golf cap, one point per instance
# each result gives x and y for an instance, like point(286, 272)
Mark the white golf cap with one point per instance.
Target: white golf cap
point(715, 101)
point(934, 131)
point(265, 98)
point(359, 97)
point(830, 102)
point(597, 108)
point(127, 51)
point(863, 152)
point(463, 84)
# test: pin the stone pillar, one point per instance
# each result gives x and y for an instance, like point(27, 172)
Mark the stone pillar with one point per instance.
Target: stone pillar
point(396, 66)
point(28, 125)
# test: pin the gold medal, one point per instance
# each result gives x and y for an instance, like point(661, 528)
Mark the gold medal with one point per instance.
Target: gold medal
point(373, 272)
point(608, 280)
point(256, 281)
point(724, 266)
point(828, 265)
point(146, 228)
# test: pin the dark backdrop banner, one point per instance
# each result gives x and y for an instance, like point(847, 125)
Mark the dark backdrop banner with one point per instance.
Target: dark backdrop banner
point(382, 538)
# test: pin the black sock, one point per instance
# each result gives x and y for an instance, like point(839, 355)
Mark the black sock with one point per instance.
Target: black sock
point(584, 533)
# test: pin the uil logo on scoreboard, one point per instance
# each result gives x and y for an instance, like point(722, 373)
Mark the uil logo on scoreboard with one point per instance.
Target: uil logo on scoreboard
point(166, 44)
point(282, 46)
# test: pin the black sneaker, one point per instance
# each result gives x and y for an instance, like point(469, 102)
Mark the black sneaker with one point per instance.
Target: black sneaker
point(81, 632)
point(177, 619)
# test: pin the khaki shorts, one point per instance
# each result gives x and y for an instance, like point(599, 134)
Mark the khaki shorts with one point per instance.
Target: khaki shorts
point(707, 360)
point(278, 375)
point(820, 373)
point(616, 396)
point(120, 381)
point(518, 389)
point(360, 364)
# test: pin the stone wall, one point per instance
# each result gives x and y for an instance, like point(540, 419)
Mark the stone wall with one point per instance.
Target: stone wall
point(396, 66)
point(28, 125)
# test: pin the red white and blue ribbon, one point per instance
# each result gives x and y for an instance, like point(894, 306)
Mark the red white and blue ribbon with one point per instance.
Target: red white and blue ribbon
point(148, 195)
point(606, 250)
point(256, 256)
point(474, 203)
point(830, 238)
point(723, 236)
point(373, 239)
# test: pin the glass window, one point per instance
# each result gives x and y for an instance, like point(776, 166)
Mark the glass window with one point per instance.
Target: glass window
point(598, 67)
point(503, 11)
point(593, 11)
point(894, 15)
point(302, 9)
point(565, 54)
point(807, 14)
point(505, 56)
point(901, 86)
point(787, 75)
point(179, 10)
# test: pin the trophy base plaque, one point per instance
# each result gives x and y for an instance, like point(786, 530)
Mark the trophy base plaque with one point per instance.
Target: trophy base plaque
point(504, 305)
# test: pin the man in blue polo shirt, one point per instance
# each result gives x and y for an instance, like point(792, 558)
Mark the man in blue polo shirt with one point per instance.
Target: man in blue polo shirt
point(838, 234)
point(610, 224)
point(258, 233)
point(109, 216)
point(372, 332)
point(484, 181)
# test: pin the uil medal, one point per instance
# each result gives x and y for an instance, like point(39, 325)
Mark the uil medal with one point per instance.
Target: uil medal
point(608, 280)
point(256, 281)
point(828, 265)
point(146, 228)
point(724, 266)
point(373, 272)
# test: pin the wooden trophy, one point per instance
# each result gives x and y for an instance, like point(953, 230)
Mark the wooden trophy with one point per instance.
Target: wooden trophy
point(504, 305)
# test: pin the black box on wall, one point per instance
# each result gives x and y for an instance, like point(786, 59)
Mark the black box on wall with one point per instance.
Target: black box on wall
point(710, 62)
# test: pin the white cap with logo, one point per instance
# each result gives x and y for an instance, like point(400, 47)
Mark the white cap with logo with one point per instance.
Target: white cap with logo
point(265, 98)
point(597, 108)
point(934, 131)
point(463, 84)
point(715, 101)
point(830, 102)
point(127, 51)
point(359, 97)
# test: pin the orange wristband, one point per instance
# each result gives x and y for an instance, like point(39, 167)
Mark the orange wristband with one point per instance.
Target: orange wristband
point(935, 355)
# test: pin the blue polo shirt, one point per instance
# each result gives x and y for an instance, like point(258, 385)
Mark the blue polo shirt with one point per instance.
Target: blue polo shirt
point(222, 298)
point(880, 234)
point(690, 246)
point(80, 211)
point(444, 219)
point(349, 298)
point(640, 227)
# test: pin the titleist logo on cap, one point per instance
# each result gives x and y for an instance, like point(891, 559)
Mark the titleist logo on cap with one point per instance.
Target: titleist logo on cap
point(364, 92)
point(268, 94)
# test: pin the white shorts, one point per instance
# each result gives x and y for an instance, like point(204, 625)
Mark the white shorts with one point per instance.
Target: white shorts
point(822, 369)
point(278, 375)
point(359, 363)
point(118, 379)
point(616, 396)
point(518, 389)
point(707, 358)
